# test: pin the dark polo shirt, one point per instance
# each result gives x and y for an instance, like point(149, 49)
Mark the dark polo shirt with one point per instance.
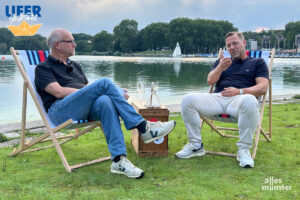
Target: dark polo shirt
point(242, 73)
point(53, 70)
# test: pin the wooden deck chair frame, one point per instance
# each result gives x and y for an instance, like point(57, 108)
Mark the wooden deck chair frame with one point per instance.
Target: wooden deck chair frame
point(259, 130)
point(48, 136)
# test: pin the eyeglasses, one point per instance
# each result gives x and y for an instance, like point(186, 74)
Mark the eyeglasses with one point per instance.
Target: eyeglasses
point(68, 41)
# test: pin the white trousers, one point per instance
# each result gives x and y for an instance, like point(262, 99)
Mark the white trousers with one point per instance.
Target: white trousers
point(243, 107)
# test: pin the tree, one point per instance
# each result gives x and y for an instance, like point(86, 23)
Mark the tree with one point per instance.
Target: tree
point(83, 46)
point(199, 35)
point(103, 41)
point(225, 27)
point(6, 37)
point(82, 36)
point(36, 42)
point(181, 30)
point(154, 36)
point(83, 42)
point(126, 34)
point(142, 43)
point(291, 30)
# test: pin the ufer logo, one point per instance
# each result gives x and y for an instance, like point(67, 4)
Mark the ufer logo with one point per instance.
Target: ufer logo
point(23, 13)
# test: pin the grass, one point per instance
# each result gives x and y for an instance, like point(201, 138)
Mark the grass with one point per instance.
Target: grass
point(40, 175)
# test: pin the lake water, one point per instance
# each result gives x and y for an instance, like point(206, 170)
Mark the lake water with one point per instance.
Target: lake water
point(174, 77)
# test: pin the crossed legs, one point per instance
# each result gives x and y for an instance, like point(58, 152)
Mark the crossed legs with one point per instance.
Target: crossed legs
point(102, 101)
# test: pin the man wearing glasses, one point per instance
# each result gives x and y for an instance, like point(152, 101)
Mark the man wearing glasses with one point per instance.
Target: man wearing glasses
point(66, 94)
point(239, 80)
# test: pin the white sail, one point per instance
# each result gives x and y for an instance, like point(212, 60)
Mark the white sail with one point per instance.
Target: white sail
point(177, 51)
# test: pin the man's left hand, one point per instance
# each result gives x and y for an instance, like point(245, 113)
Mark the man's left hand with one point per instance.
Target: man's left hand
point(230, 91)
point(125, 95)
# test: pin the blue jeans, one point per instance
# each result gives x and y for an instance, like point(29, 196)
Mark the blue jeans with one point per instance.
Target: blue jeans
point(100, 100)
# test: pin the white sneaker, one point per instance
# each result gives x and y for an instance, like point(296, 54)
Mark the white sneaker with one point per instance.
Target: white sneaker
point(124, 166)
point(157, 130)
point(191, 150)
point(245, 159)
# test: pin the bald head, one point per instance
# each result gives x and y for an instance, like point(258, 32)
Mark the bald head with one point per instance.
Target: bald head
point(61, 44)
point(55, 36)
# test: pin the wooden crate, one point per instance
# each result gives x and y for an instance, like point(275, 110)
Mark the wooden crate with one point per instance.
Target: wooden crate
point(158, 147)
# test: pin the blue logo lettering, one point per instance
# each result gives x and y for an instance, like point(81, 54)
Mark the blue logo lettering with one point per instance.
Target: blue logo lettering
point(27, 9)
point(154, 134)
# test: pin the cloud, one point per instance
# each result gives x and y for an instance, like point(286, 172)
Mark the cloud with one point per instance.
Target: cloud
point(260, 29)
point(93, 16)
point(205, 4)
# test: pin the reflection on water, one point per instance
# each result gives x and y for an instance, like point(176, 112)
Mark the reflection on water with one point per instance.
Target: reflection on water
point(7, 72)
point(175, 78)
point(286, 76)
point(176, 67)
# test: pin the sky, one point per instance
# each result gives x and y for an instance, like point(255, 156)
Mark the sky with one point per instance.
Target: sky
point(94, 16)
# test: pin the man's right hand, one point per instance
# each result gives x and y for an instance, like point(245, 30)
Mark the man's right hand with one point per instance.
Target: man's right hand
point(214, 75)
point(224, 63)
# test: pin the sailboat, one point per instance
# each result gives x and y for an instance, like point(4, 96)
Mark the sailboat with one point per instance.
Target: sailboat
point(177, 51)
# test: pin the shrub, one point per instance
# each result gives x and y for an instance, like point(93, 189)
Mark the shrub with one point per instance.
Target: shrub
point(3, 138)
point(297, 96)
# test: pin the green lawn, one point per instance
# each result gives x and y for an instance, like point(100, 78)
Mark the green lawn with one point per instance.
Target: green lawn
point(40, 175)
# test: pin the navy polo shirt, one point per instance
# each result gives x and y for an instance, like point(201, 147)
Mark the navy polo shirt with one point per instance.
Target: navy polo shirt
point(242, 73)
point(53, 70)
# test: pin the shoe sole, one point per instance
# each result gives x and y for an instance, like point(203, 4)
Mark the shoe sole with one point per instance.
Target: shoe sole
point(246, 165)
point(118, 172)
point(156, 138)
point(192, 155)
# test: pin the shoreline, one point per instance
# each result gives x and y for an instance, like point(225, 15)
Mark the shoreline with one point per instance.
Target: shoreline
point(276, 99)
point(13, 130)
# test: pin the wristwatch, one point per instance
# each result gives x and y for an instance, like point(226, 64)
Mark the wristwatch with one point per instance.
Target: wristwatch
point(241, 91)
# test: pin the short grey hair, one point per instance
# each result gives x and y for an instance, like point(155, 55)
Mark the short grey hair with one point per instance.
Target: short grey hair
point(239, 34)
point(55, 36)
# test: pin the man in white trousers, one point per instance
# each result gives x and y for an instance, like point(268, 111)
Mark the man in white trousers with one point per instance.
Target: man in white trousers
point(239, 81)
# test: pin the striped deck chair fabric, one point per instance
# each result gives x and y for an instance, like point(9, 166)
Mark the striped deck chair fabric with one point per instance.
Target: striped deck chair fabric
point(26, 62)
point(30, 60)
point(252, 54)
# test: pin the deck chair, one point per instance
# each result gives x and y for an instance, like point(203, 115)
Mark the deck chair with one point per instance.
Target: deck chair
point(29, 61)
point(223, 117)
